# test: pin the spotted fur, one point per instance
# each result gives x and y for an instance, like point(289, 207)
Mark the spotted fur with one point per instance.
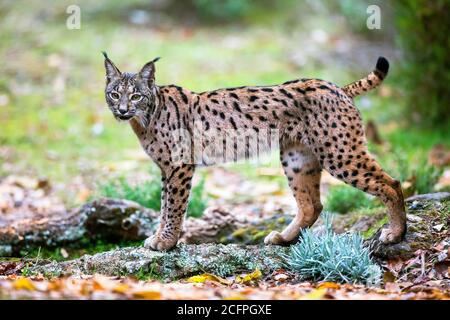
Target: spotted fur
point(318, 124)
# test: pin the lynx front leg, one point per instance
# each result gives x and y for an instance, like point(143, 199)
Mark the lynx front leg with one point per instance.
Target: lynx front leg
point(176, 185)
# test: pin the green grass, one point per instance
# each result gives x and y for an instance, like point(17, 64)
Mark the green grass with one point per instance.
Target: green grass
point(149, 273)
point(344, 199)
point(408, 158)
point(423, 176)
point(197, 200)
point(148, 193)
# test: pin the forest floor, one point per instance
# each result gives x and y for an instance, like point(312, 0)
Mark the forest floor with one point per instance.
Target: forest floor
point(421, 274)
point(60, 146)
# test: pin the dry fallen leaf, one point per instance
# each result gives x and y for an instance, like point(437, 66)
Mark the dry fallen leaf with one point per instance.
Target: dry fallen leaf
point(254, 276)
point(328, 285)
point(207, 277)
point(147, 294)
point(24, 284)
point(316, 294)
point(121, 288)
point(97, 286)
point(55, 285)
point(237, 296)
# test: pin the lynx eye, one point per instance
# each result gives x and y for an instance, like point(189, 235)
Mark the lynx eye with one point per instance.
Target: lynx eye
point(114, 95)
point(136, 97)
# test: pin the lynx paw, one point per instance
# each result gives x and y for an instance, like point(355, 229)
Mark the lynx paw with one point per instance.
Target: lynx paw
point(389, 236)
point(274, 238)
point(158, 243)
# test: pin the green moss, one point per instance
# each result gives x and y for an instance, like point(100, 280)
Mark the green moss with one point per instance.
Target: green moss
point(260, 235)
point(445, 212)
point(255, 233)
point(239, 233)
point(375, 227)
point(282, 220)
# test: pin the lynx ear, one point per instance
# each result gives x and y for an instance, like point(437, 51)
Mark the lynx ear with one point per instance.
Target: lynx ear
point(111, 70)
point(147, 72)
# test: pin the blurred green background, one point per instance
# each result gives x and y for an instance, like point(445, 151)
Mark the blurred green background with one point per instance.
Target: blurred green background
point(55, 124)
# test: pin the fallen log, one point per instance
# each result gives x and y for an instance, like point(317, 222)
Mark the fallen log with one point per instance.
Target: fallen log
point(107, 219)
point(117, 220)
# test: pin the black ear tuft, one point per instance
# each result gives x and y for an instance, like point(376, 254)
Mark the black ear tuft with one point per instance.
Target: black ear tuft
point(111, 70)
point(147, 72)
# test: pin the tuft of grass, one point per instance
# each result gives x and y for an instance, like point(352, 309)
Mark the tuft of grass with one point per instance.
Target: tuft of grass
point(344, 199)
point(333, 257)
point(148, 194)
point(426, 177)
point(149, 273)
point(197, 200)
point(422, 176)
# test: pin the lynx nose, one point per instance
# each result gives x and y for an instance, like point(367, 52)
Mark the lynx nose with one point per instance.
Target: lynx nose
point(122, 111)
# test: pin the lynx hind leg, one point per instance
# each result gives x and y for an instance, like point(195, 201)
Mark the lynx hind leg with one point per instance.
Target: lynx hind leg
point(303, 172)
point(358, 169)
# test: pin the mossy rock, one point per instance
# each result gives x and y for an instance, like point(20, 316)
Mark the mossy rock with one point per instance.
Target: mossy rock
point(428, 218)
point(181, 262)
point(427, 223)
point(257, 231)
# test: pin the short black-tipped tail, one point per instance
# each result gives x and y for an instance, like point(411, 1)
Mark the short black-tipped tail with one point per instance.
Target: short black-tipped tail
point(371, 81)
point(382, 65)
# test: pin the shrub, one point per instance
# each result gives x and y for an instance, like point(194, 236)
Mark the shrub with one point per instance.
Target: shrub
point(148, 194)
point(344, 199)
point(423, 177)
point(427, 63)
point(333, 257)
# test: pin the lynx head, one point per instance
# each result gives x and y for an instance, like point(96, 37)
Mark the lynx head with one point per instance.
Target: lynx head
point(130, 95)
